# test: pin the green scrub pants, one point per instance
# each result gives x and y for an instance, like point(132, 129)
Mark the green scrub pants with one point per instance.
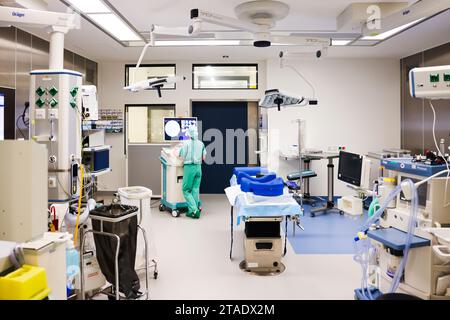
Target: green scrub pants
point(191, 188)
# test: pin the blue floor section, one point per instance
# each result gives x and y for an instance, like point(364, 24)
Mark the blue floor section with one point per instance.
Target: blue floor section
point(329, 233)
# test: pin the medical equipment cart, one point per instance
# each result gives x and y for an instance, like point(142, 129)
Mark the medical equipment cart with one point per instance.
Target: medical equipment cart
point(172, 199)
point(113, 291)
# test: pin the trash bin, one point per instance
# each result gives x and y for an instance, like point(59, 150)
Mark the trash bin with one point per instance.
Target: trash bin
point(141, 197)
point(119, 220)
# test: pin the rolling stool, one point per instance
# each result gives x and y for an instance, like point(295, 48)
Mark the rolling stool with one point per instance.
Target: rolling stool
point(295, 188)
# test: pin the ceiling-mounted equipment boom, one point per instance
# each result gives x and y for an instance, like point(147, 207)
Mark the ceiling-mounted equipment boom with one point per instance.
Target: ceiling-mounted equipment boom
point(258, 18)
point(56, 23)
point(416, 12)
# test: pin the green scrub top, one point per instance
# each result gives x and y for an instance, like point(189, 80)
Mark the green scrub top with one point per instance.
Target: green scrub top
point(193, 150)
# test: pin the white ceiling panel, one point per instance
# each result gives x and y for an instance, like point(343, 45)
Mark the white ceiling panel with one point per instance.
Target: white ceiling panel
point(305, 15)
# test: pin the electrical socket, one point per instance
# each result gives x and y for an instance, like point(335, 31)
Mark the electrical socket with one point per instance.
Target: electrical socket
point(52, 182)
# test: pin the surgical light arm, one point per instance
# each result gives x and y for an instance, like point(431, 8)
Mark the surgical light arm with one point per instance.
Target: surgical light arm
point(154, 83)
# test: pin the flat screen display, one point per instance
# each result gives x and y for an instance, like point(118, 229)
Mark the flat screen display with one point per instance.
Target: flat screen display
point(2, 116)
point(350, 168)
point(176, 129)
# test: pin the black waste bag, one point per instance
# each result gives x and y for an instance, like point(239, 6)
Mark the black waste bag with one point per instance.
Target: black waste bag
point(106, 247)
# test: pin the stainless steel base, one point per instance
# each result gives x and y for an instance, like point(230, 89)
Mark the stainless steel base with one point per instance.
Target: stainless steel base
point(274, 271)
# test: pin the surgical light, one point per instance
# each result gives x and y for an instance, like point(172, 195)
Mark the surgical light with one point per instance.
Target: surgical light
point(90, 6)
point(392, 32)
point(275, 99)
point(115, 26)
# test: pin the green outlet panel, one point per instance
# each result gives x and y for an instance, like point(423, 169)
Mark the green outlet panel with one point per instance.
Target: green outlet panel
point(53, 103)
point(53, 91)
point(447, 77)
point(40, 91)
point(74, 92)
point(434, 78)
point(40, 102)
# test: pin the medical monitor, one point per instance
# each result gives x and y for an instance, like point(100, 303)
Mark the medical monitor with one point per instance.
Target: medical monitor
point(176, 129)
point(7, 113)
point(354, 169)
point(350, 167)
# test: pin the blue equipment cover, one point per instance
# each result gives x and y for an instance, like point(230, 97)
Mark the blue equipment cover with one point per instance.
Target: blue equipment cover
point(407, 166)
point(268, 189)
point(396, 239)
point(266, 178)
point(248, 205)
point(252, 171)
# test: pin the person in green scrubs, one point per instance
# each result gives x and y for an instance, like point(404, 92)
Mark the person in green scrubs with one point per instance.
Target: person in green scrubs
point(193, 153)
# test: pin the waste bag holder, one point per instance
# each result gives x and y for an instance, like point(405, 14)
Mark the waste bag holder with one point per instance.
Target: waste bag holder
point(101, 219)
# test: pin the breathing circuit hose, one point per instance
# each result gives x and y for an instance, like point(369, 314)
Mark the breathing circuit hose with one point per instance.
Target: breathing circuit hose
point(75, 236)
point(364, 251)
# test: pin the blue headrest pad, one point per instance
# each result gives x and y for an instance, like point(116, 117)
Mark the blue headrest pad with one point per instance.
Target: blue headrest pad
point(272, 188)
point(246, 185)
point(269, 189)
point(269, 177)
point(252, 171)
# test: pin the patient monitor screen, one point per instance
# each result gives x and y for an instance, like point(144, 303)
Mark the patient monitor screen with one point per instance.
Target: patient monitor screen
point(350, 167)
point(176, 129)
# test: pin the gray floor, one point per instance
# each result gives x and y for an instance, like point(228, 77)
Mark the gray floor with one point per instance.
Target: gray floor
point(193, 262)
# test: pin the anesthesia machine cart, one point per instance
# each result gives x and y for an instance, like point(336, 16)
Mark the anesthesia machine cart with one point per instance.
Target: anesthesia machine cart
point(172, 198)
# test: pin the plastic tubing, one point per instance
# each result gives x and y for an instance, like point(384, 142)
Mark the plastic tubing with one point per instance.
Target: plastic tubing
point(410, 234)
point(75, 236)
point(375, 204)
point(381, 210)
point(364, 251)
point(71, 220)
point(363, 256)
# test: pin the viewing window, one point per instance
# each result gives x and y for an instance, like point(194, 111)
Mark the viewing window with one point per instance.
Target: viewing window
point(224, 76)
point(148, 71)
point(145, 123)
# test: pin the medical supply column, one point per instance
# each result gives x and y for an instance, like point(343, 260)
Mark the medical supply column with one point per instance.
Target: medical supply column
point(56, 122)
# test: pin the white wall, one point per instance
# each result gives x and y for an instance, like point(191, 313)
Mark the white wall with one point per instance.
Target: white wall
point(359, 108)
point(111, 95)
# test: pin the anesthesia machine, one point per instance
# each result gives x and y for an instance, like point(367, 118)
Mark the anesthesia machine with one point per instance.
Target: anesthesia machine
point(404, 247)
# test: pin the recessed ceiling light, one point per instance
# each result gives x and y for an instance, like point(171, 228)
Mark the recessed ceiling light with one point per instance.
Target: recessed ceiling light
point(387, 34)
point(340, 42)
point(162, 43)
point(90, 6)
point(115, 26)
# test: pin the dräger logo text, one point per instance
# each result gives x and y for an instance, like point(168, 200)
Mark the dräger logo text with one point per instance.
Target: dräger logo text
point(18, 14)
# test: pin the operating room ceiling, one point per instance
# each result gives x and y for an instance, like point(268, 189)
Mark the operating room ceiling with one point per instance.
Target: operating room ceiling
point(305, 15)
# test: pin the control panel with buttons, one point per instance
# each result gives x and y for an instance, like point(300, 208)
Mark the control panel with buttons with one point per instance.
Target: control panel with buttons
point(430, 82)
point(55, 98)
